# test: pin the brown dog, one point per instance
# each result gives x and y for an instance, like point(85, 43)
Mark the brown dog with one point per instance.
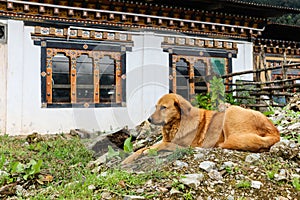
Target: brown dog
point(187, 126)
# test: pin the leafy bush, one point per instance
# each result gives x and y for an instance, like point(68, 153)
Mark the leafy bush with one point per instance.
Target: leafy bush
point(217, 96)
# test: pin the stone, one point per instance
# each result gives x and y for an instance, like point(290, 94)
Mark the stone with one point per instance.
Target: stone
point(228, 164)
point(106, 195)
point(294, 126)
point(132, 197)
point(252, 158)
point(281, 176)
point(192, 180)
point(174, 191)
point(91, 187)
point(214, 174)
point(207, 165)
point(180, 164)
point(256, 184)
point(199, 156)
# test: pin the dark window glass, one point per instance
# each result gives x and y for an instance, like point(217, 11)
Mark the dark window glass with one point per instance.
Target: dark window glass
point(61, 78)
point(84, 79)
point(182, 78)
point(2, 32)
point(107, 80)
point(199, 77)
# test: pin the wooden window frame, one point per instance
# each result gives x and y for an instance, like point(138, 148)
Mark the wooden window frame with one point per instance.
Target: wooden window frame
point(73, 51)
point(191, 57)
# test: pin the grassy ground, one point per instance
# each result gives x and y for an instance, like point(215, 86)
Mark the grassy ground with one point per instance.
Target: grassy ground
point(59, 167)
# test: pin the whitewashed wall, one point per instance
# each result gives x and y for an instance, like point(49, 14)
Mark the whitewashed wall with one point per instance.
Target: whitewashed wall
point(3, 78)
point(147, 80)
point(244, 61)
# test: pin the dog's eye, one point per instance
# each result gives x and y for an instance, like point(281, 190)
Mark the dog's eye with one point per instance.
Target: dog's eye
point(163, 107)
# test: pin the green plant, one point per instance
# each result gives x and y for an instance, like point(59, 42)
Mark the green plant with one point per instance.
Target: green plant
point(217, 92)
point(243, 184)
point(178, 185)
point(230, 99)
point(229, 170)
point(188, 195)
point(296, 183)
point(128, 146)
point(203, 101)
point(112, 153)
point(271, 174)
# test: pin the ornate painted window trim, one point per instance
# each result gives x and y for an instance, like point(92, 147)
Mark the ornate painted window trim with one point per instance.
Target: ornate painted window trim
point(191, 55)
point(50, 48)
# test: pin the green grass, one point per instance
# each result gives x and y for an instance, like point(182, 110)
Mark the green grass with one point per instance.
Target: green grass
point(57, 168)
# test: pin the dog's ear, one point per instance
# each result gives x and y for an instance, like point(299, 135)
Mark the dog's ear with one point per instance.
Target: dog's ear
point(184, 105)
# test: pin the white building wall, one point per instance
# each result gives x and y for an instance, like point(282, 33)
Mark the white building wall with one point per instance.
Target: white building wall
point(3, 81)
point(147, 80)
point(244, 61)
point(147, 76)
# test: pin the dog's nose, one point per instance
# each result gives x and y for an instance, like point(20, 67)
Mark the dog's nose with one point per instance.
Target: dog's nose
point(150, 120)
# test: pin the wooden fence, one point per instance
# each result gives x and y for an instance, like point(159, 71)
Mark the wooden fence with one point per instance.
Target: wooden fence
point(264, 91)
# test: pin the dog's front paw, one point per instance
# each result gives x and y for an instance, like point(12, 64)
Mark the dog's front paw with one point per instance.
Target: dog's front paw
point(134, 156)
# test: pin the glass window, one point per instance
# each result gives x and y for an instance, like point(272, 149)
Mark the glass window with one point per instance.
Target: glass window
point(199, 77)
point(107, 79)
point(84, 79)
point(182, 78)
point(61, 78)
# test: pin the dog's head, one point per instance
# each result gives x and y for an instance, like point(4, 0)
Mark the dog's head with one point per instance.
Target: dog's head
point(170, 107)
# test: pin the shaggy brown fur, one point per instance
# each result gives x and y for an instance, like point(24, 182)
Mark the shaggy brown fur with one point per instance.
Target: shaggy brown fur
point(187, 126)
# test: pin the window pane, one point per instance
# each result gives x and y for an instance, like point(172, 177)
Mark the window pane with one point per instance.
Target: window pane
point(199, 77)
point(107, 80)
point(61, 79)
point(218, 66)
point(84, 79)
point(182, 78)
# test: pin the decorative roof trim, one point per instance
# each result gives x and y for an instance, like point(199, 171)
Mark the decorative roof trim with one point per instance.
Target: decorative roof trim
point(148, 17)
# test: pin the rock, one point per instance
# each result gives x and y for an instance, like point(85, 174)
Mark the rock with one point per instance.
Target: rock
point(133, 197)
point(281, 198)
point(20, 190)
point(173, 191)
point(180, 164)
point(294, 126)
point(252, 158)
point(256, 184)
point(227, 164)
point(214, 174)
point(199, 156)
point(115, 139)
point(207, 165)
point(286, 150)
point(3, 173)
point(163, 189)
point(83, 134)
point(106, 195)
point(281, 176)
point(140, 190)
point(230, 197)
point(294, 103)
point(192, 180)
point(101, 160)
point(91, 187)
